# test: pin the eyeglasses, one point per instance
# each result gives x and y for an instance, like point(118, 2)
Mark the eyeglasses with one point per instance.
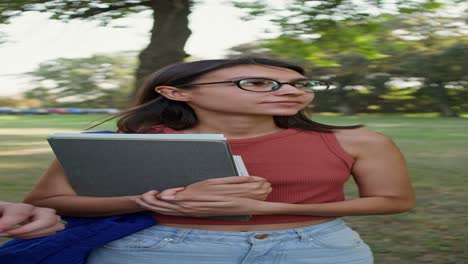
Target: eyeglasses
point(268, 85)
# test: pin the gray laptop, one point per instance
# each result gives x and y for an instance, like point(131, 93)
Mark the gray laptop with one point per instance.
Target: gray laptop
point(106, 165)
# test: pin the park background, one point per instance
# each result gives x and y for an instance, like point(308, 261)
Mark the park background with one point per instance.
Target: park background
point(398, 67)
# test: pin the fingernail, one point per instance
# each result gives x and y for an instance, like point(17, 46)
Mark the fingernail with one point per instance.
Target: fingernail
point(168, 197)
point(3, 234)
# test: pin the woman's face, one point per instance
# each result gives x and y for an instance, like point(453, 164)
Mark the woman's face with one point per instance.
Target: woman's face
point(227, 98)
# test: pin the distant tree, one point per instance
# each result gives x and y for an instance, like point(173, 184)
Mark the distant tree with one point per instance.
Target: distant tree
point(43, 95)
point(97, 81)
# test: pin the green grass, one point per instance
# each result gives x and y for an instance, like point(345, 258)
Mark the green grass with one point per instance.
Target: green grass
point(436, 150)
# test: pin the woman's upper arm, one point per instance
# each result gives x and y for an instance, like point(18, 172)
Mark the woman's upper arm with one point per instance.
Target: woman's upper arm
point(379, 168)
point(53, 183)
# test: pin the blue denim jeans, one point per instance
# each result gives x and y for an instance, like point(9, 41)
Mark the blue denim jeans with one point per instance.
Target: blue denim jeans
point(329, 242)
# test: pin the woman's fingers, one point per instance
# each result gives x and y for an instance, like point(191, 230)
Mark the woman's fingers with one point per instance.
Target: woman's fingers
point(160, 207)
point(150, 197)
point(170, 192)
point(230, 185)
point(167, 206)
point(254, 190)
point(233, 180)
point(181, 197)
point(176, 202)
point(150, 201)
point(196, 205)
point(261, 186)
point(257, 178)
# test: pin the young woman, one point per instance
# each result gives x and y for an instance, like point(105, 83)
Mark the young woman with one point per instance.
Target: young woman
point(299, 167)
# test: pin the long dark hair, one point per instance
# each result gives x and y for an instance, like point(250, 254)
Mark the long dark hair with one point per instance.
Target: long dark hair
point(152, 109)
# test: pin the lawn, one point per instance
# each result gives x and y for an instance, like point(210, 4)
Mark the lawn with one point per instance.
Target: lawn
point(436, 150)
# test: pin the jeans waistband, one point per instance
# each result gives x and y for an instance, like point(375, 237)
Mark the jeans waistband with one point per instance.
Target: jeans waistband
point(178, 234)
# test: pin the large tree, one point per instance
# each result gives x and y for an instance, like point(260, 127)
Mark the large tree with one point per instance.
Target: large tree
point(168, 36)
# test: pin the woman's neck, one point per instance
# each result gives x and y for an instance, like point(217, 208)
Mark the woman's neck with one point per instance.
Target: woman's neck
point(236, 127)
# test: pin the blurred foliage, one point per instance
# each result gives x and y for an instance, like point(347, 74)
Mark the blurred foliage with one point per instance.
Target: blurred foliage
point(97, 81)
point(104, 10)
point(411, 82)
point(370, 49)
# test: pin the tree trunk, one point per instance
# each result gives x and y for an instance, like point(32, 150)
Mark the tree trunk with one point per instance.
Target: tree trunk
point(342, 102)
point(445, 110)
point(343, 106)
point(168, 36)
point(442, 99)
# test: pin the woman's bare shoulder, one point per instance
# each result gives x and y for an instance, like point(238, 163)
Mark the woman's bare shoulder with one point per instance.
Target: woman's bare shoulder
point(359, 135)
point(355, 141)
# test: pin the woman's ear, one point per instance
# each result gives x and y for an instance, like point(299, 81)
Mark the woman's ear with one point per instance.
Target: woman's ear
point(173, 93)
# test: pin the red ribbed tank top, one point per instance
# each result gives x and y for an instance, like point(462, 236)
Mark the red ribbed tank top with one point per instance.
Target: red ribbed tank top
point(303, 167)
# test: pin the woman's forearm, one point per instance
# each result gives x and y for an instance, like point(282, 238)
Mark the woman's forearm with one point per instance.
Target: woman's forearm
point(82, 206)
point(360, 206)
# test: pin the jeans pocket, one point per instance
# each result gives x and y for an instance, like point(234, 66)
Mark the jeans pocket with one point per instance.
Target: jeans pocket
point(136, 241)
point(342, 238)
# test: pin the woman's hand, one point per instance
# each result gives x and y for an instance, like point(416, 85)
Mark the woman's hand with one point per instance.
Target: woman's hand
point(175, 202)
point(214, 194)
point(150, 201)
point(252, 187)
point(19, 220)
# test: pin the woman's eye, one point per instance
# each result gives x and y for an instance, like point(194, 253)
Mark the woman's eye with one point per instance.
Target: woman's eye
point(256, 83)
point(303, 84)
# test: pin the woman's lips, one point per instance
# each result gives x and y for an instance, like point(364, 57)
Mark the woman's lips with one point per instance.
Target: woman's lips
point(284, 102)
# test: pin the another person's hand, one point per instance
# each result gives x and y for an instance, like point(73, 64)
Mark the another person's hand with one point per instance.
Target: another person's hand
point(20, 220)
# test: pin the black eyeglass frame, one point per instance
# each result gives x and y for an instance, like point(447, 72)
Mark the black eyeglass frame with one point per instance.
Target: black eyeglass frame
point(274, 88)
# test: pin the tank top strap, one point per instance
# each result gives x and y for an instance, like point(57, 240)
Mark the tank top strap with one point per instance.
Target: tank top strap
point(332, 143)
